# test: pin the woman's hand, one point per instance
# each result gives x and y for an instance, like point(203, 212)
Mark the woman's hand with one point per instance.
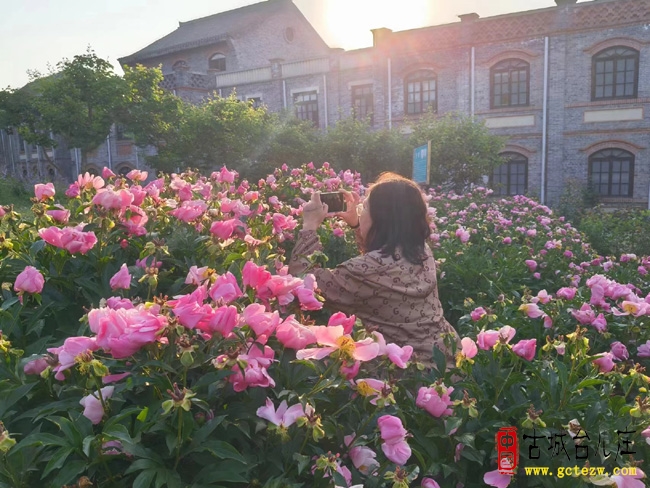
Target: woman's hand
point(313, 212)
point(350, 216)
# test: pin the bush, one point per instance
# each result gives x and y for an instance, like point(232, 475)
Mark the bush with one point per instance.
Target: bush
point(616, 232)
point(152, 337)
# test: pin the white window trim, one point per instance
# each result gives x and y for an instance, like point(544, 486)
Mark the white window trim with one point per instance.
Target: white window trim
point(352, 84)
point(303, 90)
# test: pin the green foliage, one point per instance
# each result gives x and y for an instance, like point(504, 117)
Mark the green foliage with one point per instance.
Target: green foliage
point(353, 144)
point(13, 192)
point(576, 199)
point(462, 149)
point(220, 131)
point(617, 232)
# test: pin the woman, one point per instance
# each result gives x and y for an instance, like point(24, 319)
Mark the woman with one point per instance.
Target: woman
point(392, 285)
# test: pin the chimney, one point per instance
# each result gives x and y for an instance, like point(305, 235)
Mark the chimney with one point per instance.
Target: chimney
point(562, 3)
point(469, 17)
point(380, 35)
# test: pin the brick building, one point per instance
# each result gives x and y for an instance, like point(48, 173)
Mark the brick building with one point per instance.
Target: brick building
point(569, 85)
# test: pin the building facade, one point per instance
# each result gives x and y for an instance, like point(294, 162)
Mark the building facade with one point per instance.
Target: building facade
point(568, 85)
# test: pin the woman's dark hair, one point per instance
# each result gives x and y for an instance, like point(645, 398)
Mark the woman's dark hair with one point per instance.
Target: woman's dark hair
point(399, 218)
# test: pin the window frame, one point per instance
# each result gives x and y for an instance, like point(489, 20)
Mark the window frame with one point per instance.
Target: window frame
point(502, 67)
point(221, 59)
point(420, 77)
point(361, 110)
point(616, 59)
point(511, 158)
point(601, 157)
point(302, 106)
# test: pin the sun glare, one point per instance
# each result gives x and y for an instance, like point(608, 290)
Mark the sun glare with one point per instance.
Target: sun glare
point(349, 21)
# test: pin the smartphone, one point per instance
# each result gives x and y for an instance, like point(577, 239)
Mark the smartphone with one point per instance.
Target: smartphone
point(335, 201)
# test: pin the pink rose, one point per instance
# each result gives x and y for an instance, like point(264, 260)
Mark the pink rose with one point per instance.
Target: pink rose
point(469, 349)
point(121, 279)
point(113, 199)
point(294, 335)
point(339, 318)
point(525, 348)
point(393, 434)
point(36, 366)
point(477, 314)
point(190, 210)
point(61, 216)
point(30, 280)
point(262, 322)
point(486, 339)
point(223, 320)
point(44, 191)
point(284, 416)
point(225, 288)
point(93, 408)
point(435, 400)
point(254, 275)
point(67, 353)
point(399, 356)
point(643, 350)
point(107, 173)
point(532, 264)
point(429, 483)
point(605, 363)
point(619, 351)
point(496, 479)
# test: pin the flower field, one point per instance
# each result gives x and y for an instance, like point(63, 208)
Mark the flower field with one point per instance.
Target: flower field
point(153, 337)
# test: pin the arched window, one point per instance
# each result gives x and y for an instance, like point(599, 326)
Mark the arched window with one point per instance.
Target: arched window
point(421, 93)
point(615, 73)
point(510, 84)
point(511, 178)
point(180, 65)
point(217, 62)
point(611, 172)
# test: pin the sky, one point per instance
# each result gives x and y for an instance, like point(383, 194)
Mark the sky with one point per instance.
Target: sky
point(40, 33)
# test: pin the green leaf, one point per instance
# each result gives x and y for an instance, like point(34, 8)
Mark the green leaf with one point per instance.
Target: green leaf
point(57, 460)
point(589, 382)
point(144, 479)
point(221, 450)
point(221, 472)
point(10, 399)
point(37, 247)
point(69, 473)
point(303, 461)
point(8, 303)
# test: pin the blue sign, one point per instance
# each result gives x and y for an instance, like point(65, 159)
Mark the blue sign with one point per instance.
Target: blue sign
point(421, 162)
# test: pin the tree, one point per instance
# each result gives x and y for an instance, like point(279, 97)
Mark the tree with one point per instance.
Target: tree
point(462, 149)
point(81, 100)
point(221, 131)
point(353, 144)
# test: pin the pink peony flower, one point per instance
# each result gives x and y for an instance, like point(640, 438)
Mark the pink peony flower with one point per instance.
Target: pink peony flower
point(114, 378)
point(225, 288)
point(281, 287)
point(605, 363)
point(305, 294)
point(93, 408)
point(334, 340)
point(339, 318)
point(399, 356)
point(284, 416)
point(643, 350)
point(196, 276)
point(525, 348)
point(469, 349)
point(566, 293)
point(223, 320)
point(62, 216)
point(486, 339)
point(429, 483)
point(36, 366)
point(67, 353)
point(72, 239)
point(362, 457)
point(137, 175)
point(190, 210)
point(254, 276)
point(585, 315)
point(113, 199)
point(477, 314)
point(629, 480)
point(531, 310)
point(494, 478)
point(107, 173)
point(462, 235)
point(121, 279)
point(532, 264)
point(435, 400)
point(262, 322)
point(123, 332)
point(30, 280)
point(283, 223)
point(44, 191)
point(254, 373)
point(294, 335)
point(224, 229)
point(393, 434)
point(619, 351)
